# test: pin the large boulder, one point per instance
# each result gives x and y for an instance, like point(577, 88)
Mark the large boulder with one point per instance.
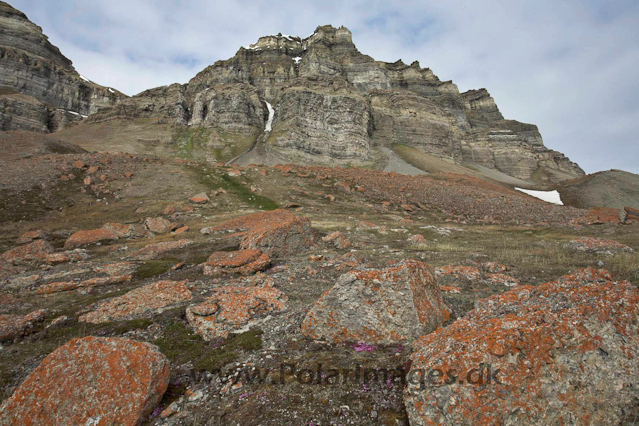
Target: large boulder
point(241, 262)
point(564, 352)
point(37, 251)
point(147, 300)
point(91, 381)
point(89, 236)
point(387, 306)
point(234, 309)
point(277, 232)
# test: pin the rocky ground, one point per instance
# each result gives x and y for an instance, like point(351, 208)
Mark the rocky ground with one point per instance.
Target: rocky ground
point(225, 295)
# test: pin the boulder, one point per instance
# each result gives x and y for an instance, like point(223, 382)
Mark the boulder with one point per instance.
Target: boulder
point(387, 306)
point(89, 236)
point(12, 326)
point(338, 240)
point(564, 352)
point(234, 310)
point(597, 245)
point(277, 232)
point(37, 251)
point(160, 225)
point(91, 381)
point(148, 300)
point(201, 198)
point(31, 236)
point(241, 262)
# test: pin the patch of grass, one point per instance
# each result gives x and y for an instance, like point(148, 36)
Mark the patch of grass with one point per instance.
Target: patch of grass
point(234, 186)
point(152, 268)
point(180, 345)
point(189, 139)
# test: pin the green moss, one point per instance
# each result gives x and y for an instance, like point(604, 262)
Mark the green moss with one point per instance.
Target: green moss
point(214, 180)
point(153, 268)
point(189, 139)
point(180, 345)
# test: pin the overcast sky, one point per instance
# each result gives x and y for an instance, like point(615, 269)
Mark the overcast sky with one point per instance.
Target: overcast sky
point(569, 66)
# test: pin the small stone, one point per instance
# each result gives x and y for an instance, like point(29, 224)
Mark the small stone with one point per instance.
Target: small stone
point(200, 198)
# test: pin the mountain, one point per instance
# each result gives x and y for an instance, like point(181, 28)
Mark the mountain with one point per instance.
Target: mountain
point(335, 105)
point(284, 99)
point(39, 88)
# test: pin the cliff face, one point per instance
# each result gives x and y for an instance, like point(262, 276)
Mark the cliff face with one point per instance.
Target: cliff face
point(335, 105)
point(32, 67)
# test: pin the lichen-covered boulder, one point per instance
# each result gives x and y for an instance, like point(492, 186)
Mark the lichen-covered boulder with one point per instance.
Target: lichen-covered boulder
point(91, 381)
point(564, 352)
point(234, 309)
point(276, 232)
point(597, 246)
point(12, 326)
point(37, 251)
point(147, 300)
point(241, 262)
point(387, 306)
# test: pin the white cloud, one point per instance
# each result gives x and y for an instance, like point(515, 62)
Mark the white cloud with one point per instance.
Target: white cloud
point(569, 67)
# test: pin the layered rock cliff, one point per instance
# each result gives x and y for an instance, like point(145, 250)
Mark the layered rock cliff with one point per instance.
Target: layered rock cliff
point(335, 105)
point(35, 76)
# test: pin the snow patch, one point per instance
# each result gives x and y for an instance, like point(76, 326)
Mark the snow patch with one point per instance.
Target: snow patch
point(547, 196)
point(111, 90)
point(271, 114)
point(297, 59)
point(85, 79)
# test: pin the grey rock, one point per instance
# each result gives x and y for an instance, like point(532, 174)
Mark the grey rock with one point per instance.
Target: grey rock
point(393, 305)
point(32, 66)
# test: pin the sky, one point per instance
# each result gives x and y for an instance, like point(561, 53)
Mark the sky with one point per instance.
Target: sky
point(569, 66)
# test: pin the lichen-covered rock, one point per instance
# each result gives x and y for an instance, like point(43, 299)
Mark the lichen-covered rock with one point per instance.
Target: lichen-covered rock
point(277, 232)
point(148, 300)
point(200, 198)
point(234, 309)
point(91, 381)
point(338, 240)
point(539, 354)
point(393, 305)
point(13, 325)
point(241, 262)
point(160, 225)
point(122, 230)
point(597, 245)
point(31, 236)
point(157, 250)
point(58, 287)
point(108, 232)
point(37, 251)
point(89, 236)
